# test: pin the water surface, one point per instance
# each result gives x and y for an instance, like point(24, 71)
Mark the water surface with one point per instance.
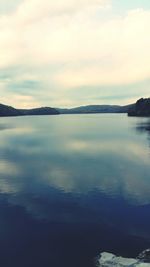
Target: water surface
point(72, 186)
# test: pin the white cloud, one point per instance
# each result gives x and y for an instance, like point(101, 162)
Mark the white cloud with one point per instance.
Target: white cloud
point(114, 52)
point(32, 10)
point(72, 45)
point(33, 30)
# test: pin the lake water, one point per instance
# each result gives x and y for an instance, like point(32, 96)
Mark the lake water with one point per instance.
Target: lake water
point(72, 186)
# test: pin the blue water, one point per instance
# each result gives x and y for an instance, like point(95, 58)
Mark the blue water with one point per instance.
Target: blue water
point(72, 186)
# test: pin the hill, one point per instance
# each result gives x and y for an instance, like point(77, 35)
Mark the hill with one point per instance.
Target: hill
point(10, 111)
point(39, 111)
point(96, 109)
point(6, 111)
point(141, 108)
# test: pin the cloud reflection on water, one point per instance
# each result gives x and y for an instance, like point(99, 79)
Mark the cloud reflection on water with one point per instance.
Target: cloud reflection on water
point(97, 169)
point(76, 164)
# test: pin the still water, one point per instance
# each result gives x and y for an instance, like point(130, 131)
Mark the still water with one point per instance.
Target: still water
point(72, 186)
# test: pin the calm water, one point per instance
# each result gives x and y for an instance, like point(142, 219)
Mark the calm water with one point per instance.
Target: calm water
point(72, 186)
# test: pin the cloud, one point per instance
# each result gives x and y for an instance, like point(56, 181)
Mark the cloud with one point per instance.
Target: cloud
point(113, 53)
point(68, 44)
point(32, 10)
point(8, 6)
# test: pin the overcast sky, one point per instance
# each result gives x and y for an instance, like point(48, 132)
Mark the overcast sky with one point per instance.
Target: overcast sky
point(74, 52)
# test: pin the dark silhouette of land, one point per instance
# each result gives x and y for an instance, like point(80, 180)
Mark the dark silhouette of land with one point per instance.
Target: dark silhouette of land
point(11, 111)
point(140, 108)
point(6, 111)
point(96, 109)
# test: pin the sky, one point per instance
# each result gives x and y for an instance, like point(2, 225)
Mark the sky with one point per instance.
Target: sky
point(67, 53)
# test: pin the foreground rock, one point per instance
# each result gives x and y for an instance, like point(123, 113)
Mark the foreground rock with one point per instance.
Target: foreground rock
point(110, 260)
point(145, 255)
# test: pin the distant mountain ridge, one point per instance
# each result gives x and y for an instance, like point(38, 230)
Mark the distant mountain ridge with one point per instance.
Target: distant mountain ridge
point(7, 111)
point(39, 111)
point(96, 109)
point(140, 108)
point(10, 111)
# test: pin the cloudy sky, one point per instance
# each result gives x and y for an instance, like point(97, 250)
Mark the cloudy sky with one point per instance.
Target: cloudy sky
point(74, 52)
